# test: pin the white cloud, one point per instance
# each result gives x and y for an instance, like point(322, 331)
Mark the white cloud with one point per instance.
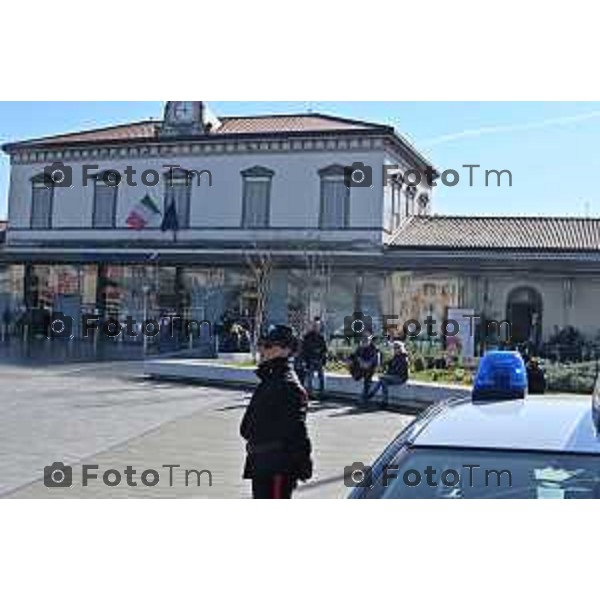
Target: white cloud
point(474, 133)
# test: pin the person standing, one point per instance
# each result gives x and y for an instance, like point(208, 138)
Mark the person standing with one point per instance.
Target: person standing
point(6, 322)
point(314, 356)
point(396, 372)
point(536, 378)
point(278, 448)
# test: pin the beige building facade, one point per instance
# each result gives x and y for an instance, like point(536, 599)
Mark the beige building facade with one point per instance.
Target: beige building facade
point(273, 214)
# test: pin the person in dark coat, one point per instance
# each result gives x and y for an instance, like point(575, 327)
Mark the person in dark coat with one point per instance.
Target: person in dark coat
point(314, 356)
point(396, 372)
point(363, 363)
point(536, 378)
point(274, 424)
point(6, 322)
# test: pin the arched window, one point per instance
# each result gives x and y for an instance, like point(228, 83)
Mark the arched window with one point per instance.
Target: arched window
point(256, 197)
point(42, 201)
point(106, 189)
point(178, 190)
point(335, 199)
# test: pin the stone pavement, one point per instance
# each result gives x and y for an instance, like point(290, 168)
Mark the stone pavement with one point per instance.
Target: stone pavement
point(106, 414)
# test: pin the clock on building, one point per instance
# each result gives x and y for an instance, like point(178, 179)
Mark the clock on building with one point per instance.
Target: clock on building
point(183, 118)
point(183, 112)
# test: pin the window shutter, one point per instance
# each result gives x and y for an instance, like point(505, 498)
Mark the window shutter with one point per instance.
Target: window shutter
point(256, 202)
point(334, 203)
point(105, 205)
point(41, 206)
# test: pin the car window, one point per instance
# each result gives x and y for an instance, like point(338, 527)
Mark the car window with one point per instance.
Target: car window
point(466, 473)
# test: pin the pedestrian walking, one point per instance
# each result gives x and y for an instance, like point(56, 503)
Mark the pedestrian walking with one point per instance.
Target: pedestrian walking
point(363, 363)
point(396, 372)
point(274, 425)
point(314, 356)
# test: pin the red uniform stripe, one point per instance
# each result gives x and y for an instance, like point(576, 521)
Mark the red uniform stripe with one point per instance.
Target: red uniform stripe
point(277, 486)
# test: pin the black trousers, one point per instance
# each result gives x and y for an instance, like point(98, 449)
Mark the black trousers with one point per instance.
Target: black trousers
point(277, 487)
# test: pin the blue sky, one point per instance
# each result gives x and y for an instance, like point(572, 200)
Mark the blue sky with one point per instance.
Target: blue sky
point(551, 148)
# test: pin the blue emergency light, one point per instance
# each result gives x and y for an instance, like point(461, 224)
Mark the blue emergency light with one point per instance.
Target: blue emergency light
point(501, 376)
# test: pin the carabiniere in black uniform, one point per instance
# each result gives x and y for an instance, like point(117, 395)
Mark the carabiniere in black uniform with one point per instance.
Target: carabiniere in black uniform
point(274, 426)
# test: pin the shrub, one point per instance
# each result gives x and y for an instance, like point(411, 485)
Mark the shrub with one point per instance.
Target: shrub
point(574, 378)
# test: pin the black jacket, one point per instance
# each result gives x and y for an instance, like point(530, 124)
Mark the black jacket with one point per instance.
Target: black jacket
point(314, 347)
point(536, 380)
point(398, 366)
point(364, 360)
point(274, 425)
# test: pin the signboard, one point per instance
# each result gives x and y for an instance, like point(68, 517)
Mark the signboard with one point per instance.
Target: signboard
point(463, 343)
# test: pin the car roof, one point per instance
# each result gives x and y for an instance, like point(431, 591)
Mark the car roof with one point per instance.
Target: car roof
point(552, 424)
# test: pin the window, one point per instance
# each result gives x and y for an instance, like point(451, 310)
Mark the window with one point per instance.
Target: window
point(505, 474)
point(42, 198)
point(396, 183)
point(423, 204)
point(410, 192)
point(335, 199)
point(105, 204)
point(178, 189)
point(256, 201)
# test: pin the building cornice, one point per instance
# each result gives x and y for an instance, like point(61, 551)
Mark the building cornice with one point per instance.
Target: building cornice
point(376, 138)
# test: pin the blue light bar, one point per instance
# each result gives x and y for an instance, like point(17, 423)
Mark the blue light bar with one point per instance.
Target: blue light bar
point(501, 376)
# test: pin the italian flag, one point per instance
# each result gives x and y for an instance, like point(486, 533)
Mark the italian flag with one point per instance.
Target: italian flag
point(144, 213)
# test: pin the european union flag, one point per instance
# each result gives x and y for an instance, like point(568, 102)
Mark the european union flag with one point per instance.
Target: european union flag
point(170, 221)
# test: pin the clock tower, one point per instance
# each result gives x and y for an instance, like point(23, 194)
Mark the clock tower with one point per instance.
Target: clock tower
point(187, 118)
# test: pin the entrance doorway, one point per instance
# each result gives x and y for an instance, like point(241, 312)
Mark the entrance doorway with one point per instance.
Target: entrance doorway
point(524, 312)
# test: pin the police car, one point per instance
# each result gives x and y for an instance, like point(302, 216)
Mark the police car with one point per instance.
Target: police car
point(497, 444)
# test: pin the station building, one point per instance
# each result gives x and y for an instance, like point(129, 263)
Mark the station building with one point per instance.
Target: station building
point(232, 217)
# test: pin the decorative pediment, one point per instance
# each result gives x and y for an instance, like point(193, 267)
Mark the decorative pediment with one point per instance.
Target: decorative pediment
point(258, 171)
point(332, 171)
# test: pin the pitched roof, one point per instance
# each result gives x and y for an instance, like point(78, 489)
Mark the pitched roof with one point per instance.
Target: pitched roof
point(130, 131)
point(499, 233)
point(269, 124)
point(289, 123)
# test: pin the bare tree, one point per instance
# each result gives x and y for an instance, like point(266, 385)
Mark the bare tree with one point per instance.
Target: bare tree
point(317, 272)
point(260, 262)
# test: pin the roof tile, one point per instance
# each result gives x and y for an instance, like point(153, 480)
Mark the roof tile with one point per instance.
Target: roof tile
point(497, 233)
point(147, 130)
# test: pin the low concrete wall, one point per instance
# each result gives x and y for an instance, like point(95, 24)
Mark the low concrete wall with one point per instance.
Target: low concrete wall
point(415, 394)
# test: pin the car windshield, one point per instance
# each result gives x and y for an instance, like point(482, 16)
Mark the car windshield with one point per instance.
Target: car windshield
point(466, 473)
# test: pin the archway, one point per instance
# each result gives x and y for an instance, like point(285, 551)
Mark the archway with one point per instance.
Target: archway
point(524, 312)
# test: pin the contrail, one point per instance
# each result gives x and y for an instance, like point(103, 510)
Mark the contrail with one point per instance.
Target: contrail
point(473, 133)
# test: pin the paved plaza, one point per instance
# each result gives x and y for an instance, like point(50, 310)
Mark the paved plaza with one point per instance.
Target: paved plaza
point(107, 414)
